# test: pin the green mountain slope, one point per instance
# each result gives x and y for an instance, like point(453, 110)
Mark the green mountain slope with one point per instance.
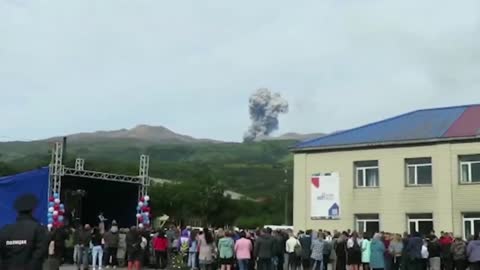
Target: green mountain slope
point(255, 169)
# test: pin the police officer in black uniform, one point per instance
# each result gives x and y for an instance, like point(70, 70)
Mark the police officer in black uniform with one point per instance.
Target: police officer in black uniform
point(23, 245)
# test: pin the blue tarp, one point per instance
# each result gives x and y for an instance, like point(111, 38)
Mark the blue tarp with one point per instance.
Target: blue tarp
point(33, 182)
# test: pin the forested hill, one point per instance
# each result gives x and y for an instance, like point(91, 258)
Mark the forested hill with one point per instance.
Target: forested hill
point(255, 169)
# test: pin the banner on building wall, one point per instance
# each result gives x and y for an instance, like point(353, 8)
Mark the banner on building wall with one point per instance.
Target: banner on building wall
point(325, 196)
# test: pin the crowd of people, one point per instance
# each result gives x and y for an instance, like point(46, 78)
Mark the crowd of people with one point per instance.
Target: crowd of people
point(27, 245)
point(267, 249)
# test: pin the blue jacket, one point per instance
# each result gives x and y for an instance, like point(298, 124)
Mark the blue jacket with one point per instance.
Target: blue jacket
point(377, 251)
point(414, 248)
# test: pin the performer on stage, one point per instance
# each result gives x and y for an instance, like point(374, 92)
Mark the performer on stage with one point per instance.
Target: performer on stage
point(101, 224)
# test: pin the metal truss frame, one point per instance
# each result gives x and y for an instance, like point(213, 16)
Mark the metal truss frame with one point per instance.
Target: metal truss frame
point(58, 170)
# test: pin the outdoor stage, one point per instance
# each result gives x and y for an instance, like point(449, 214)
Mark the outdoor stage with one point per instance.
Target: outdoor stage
point(84, 193)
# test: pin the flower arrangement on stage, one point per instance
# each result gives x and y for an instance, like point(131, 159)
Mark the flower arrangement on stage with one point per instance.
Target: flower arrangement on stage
point(144, 212)
point(56, 211)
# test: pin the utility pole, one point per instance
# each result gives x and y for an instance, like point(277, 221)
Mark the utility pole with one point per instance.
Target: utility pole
point(286, 196)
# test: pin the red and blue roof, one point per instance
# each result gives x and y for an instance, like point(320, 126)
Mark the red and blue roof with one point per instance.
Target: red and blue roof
point(460, 122)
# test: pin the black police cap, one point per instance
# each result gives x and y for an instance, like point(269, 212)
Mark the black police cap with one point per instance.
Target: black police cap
point(25, 203)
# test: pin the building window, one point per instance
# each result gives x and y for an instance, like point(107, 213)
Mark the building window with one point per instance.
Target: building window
point(470, 169)
point(419, 171)
point(471, 224)
point(367, 223)
point(366, 173)
point(422, 223)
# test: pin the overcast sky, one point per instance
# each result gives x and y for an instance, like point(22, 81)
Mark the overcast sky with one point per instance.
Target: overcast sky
point(86, 65)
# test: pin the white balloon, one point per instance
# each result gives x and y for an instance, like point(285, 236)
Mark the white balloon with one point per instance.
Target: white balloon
point(140, 204)
point(50, 209)
point(139, 215)
point(55, 213)
point(147, 198)
point(49, 226)
point(140, 226)
point(57, 201)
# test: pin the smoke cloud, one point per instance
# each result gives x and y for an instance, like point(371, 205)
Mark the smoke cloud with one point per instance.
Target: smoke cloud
point(264, 107)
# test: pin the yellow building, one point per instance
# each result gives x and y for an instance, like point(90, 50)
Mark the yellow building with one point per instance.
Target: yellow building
point(414, 172)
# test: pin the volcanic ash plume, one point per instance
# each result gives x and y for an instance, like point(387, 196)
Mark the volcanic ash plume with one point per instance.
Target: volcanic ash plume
point(265, 107)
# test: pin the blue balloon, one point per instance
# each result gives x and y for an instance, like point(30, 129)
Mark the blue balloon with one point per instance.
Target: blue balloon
point(51, 204)
point(50, 214)
point(138, 208)
point(62, 206)
point(145, 204)
point(50, 220)
point(60, 218)
point(56, 196)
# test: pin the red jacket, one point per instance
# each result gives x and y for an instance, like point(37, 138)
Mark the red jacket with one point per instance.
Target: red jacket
point(160, 243)
point(446, 240)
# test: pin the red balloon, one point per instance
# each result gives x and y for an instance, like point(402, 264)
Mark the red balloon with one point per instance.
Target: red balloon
point(140, 219)
point(55, 218)
point(56, 207)
point(51, 199)
point(142, 199)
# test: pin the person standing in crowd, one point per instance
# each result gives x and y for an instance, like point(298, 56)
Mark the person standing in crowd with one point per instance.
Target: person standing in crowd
point(279, 250)
point(112, 239)
point(377, 253)
point(306, 243)
point(459, 254)
point(243, 251)
point(434, 251)
point(396, 249)
point(264, 250)
point(387, 238)
point(446, 241)
point(226, 250)
point(192, 250)
point(76, 243)
point(366, 252)
point(473, 253)
point(56, 248)
point(85, 237)
point(97, 249)
point(327, 250)
point(170, 235)
point(134, 252)
point(206, 245)
point(413, 251)
point(252, 262)
point(23, 245)
point(405, 258)
point(354, 252)
point(69, 246)
point(341, 251)
point(425, 256)
point(160, 246)
point(294, 251)
point(317, 247)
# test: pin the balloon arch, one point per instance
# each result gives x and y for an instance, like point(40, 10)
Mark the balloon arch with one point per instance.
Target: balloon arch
point(56, 209)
